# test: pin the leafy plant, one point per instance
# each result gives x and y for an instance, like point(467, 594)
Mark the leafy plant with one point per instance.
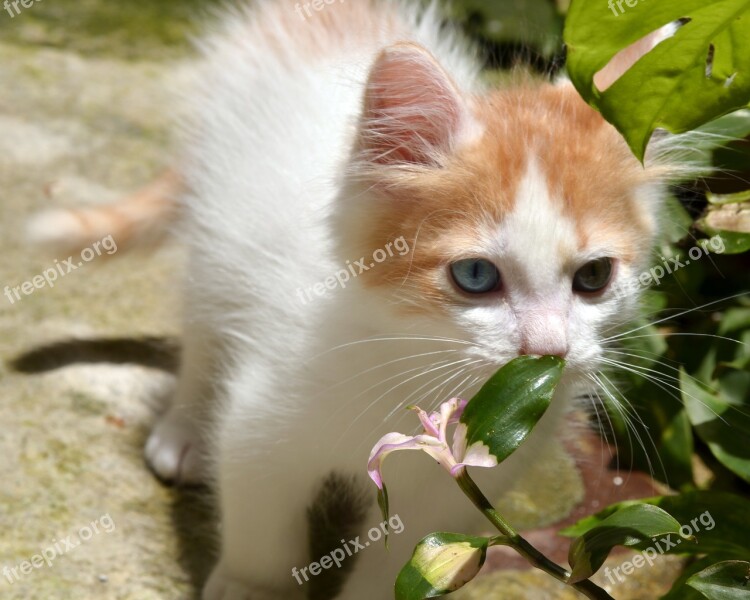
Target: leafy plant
point(686, 373)
point(488, 429)
point(728, 580)
point(699, 73)
point(707, 61)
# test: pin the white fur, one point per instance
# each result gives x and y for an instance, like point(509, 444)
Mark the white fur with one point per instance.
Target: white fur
point(293, 390)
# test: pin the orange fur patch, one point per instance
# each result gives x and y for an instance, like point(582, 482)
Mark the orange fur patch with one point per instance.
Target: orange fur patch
point(440, 211)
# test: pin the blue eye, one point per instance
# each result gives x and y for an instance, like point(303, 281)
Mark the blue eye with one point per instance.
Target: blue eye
point(475, 275)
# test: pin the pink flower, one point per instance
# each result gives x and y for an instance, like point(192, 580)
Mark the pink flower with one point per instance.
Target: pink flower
point(434, 441)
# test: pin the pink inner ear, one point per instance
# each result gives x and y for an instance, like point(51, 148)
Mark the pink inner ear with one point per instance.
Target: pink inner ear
point(412, 108)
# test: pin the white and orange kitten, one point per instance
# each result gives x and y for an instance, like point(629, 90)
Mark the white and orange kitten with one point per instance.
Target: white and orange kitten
point(318, 140)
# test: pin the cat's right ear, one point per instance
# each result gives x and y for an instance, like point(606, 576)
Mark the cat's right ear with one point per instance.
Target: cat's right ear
point(413, 112)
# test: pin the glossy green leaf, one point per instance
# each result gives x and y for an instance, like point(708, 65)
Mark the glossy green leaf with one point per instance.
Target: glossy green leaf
point(724, 427)
point(729, 580)
point(680, 590)
point(670, 87)
point(718, 521)
point(505, 410)
point(441, 564)
point(629, 526)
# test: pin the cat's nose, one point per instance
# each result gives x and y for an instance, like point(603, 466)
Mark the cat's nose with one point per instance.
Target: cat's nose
point(544, 349)
point(544, 334)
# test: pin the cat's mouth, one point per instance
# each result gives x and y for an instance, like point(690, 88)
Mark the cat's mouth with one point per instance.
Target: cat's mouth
point(577, 363)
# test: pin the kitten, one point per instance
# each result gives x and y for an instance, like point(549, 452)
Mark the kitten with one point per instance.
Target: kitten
point(370, 228)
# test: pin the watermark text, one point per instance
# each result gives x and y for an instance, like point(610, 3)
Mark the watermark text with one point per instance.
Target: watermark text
point(347, 549)
point(48, 555)
point(60, 269)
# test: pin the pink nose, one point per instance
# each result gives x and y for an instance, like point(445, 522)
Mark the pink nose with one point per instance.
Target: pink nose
point(544, 333)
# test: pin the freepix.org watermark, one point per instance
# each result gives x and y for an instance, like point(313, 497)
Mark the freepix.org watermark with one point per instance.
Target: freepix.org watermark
point(669, 266)
point(49, 276)
point(661, 545)
point(353, 269)
point(316, 5)
point(619, 3)
point(48, 555)
point(11, 6)
point(347, 549)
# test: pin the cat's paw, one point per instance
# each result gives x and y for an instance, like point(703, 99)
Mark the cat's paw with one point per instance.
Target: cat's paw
point(175, 450)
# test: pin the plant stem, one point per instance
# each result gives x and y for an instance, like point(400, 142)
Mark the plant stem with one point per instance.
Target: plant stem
point(587, 587)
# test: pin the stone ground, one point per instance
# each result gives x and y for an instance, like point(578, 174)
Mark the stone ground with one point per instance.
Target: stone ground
point(85, 106)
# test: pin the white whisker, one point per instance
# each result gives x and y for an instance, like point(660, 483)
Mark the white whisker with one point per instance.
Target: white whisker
point(685, 312)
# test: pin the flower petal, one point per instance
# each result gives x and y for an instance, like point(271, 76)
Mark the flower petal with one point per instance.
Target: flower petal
point(458, 410)
point(450, 412)
point(391, 442)
point(428, 421)
point(459, 441)
point(477, 455)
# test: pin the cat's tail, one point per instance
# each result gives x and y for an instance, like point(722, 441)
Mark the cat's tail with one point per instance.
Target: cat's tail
point(142, 218)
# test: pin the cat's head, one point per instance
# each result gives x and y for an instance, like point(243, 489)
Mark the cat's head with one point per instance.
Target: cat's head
point(523, 210)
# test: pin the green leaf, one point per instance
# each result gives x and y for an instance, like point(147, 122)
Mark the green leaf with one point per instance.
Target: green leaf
point(629, 526)
point(717, 520)
point(504, 412)
point(670, 87)
point(730, 225)
point(729, 580)
point(680, 589)
point(732, 242)
point(735, 125)
point(384, 509)
point(724, 427)
point(734, 386)
point(735, 319)
point(677, 221)
point(731, 158)
point(441, 564)
point(728, 198)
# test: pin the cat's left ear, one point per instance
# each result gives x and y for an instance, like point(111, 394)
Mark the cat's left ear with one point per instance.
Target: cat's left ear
point(413, 112)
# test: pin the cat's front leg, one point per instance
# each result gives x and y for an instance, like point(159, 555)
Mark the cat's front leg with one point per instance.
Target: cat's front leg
point(175, 449)
point(264, 493)
point(264, 535)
